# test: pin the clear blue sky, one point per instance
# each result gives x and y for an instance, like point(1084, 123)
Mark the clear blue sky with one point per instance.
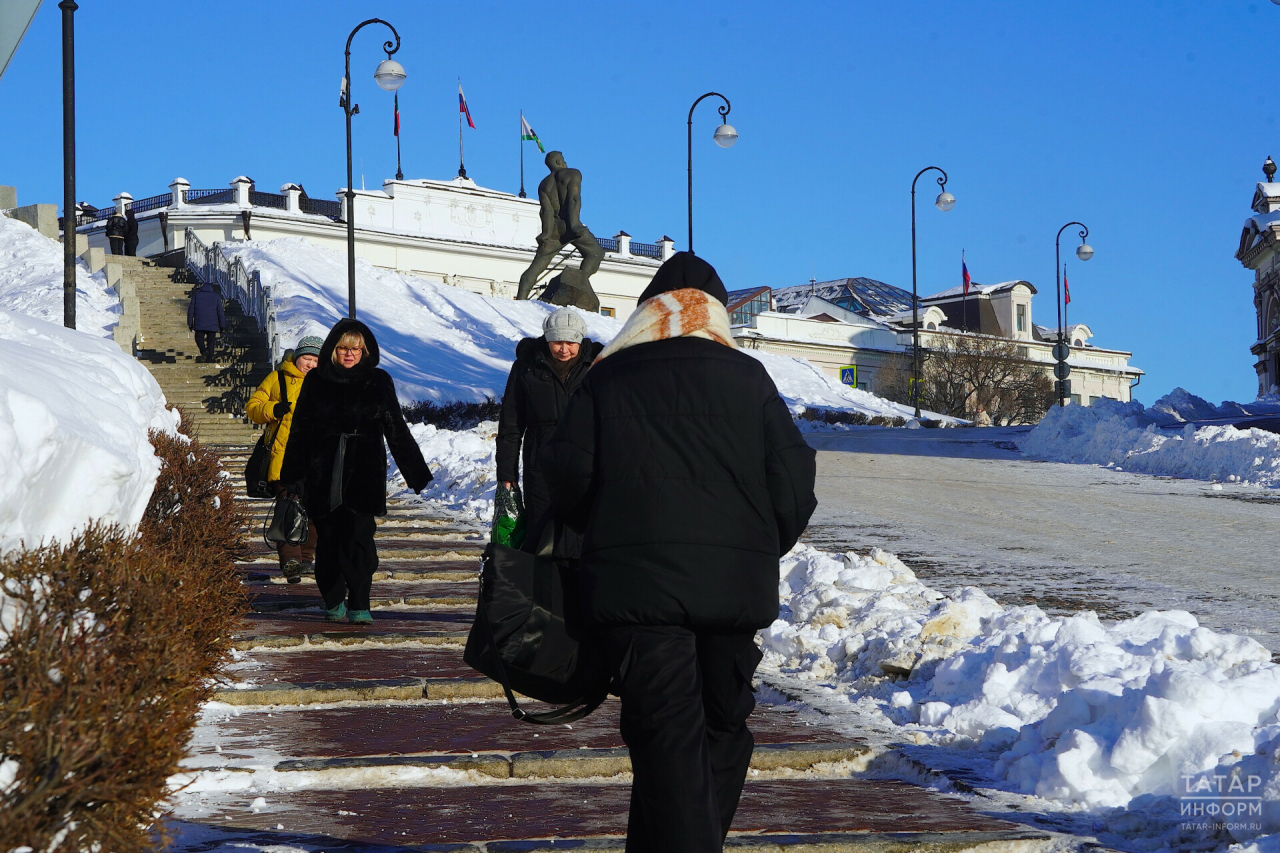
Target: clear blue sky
point(1146, 119)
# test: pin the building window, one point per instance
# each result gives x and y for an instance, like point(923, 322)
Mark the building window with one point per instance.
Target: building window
point(608, 312)
point(1022, 318)
point(745, 314)
point(1024, 352)
point(1075, 399)
point(933, 327)
point(1077, 343)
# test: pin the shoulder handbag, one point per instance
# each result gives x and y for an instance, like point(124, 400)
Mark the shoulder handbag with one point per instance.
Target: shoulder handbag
point(287, 524)
point(255, 470)
point(528, 634)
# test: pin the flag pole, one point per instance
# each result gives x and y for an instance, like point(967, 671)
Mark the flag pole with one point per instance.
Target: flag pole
point(462, 167)
point(520, 137)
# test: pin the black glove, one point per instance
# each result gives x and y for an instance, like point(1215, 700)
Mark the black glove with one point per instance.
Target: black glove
point(281, 409)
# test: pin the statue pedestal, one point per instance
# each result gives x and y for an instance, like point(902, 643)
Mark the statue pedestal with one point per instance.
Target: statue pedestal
point(572, 287)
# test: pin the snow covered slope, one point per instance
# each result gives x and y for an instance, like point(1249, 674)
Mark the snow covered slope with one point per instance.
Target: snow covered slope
point(443, 343)
point(1128, 436)
point(31, 281)
point(74, 415)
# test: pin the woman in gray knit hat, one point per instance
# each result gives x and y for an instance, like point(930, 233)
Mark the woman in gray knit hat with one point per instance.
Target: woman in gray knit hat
point(273, 406)
point(546, 372)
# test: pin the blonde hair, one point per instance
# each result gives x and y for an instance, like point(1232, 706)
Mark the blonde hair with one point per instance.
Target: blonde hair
point(350, 340)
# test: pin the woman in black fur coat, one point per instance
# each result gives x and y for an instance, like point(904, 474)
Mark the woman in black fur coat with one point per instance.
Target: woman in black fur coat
point(337, 463)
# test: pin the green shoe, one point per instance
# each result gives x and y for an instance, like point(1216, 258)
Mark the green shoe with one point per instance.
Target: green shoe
point(337, 614)
point(361, 617)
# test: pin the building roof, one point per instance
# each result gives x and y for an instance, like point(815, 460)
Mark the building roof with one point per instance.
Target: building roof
point(738, 297)
point(979, 289)
point(860, 295)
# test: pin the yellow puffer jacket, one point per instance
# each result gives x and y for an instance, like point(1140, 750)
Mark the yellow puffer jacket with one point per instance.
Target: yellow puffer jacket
point(261, 411)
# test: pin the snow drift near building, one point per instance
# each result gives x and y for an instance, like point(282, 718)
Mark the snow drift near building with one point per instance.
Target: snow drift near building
point(74, 416)
point(1065, 708)
point(443, 343)
point(31, 281)
point(1146, 440)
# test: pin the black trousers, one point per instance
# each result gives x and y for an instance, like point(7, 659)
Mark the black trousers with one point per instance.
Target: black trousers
point(117, 245)
point(131, 246)
point(205, 342)
point(686, 696)
point(346, 558)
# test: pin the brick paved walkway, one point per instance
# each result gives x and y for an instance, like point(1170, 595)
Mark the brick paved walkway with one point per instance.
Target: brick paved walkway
point(332, 736)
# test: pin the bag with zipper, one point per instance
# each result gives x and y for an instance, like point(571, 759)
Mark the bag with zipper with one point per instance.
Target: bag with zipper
point(529, 636)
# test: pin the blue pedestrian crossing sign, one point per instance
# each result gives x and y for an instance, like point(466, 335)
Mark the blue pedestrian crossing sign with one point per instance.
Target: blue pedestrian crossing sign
point(849, 375)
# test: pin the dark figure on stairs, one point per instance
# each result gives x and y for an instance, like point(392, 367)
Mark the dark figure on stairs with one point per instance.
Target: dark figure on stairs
point(130, 233)
point(117, 225)
point(346, 417)
point(683, 468)
point(206, 318)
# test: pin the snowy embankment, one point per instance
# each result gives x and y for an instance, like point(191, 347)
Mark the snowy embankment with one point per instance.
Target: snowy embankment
point(443, 343)
point(1087, 715)
point(1129, 437)
point(31, 281)
point(74, 408)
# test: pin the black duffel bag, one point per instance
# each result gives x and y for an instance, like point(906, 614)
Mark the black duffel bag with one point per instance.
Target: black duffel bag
point(529, 637)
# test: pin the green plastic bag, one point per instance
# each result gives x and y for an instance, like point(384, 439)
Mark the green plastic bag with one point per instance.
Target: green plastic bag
point(508, 517)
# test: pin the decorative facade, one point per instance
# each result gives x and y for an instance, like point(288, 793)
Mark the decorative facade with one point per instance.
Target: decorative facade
point(1258, 252)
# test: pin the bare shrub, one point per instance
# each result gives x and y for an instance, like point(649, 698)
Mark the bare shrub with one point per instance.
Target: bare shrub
point(109, 656)
point(452, 416)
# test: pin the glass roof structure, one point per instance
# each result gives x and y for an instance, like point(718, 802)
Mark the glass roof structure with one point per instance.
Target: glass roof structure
point(860, 295)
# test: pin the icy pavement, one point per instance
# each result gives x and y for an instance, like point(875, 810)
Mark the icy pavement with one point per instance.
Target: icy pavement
point(963, 507)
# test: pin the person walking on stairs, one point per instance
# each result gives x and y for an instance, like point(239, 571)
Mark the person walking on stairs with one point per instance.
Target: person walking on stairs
point(682, 467)
point(546, 372)
point(130, 233)
point(273, 404)
point(206, 318)
point(336, 461)
point(116, 228)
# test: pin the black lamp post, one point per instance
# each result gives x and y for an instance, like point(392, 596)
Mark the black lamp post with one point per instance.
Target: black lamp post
point(390, 76)
point(1062, 351)
point(945, 201)
point(724, 136)
point(69, 220)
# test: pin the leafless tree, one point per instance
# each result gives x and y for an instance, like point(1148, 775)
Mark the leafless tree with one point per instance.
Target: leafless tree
point(963, 373)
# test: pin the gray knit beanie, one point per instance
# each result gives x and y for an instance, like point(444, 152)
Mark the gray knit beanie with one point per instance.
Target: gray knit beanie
point(564, 325)
point(310, 345)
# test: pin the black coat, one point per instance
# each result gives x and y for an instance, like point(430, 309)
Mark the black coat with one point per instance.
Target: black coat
point(359, 402)
point(204, 311)
point(683, 468)
point(116, 225)
point(531, 407)
point(131, 230)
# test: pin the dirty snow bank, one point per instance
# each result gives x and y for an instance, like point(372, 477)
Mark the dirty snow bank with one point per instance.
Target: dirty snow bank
point(443, 343)
point(1065, 708)
point(31, 281)
point(74, 415)
point(1130, 437)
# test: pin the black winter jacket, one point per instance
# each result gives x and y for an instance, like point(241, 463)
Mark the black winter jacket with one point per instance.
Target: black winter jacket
point(683, 468)
point(360, 403)
point(531, 407)
point(116, 225)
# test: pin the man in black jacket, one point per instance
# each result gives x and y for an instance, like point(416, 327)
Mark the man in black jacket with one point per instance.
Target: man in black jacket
point(130, 233)
point(684, 470)
point(116, 227)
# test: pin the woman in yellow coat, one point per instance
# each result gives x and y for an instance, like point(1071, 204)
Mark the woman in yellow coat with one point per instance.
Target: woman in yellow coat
point(269, 406)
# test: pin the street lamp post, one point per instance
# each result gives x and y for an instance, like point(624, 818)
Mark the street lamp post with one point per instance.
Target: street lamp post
point(944, 202)
point(724, 136)
point(390, 76)
point(1062, 351)
point(69, 223)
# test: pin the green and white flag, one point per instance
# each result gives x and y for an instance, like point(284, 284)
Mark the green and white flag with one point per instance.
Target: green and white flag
point(527, 134)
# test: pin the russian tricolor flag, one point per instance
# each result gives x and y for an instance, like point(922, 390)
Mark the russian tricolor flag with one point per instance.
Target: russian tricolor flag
point(462, 107)
point(964, 273)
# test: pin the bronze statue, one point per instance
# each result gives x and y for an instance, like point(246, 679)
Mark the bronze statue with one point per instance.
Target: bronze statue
point(560, 196)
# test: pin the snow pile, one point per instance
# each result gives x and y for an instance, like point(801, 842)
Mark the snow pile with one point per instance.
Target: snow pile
point(31, 281)
point(462, 465)
point(443, 343)
point(74, 415)
point(1130, 437)
point(1064, 708)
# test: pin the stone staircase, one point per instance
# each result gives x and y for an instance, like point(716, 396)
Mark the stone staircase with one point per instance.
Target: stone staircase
point(212, 395)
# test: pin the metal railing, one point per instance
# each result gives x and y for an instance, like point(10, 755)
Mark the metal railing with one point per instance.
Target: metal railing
point(275, 200)
point(608, 244)
point(210, 266)
point(647, 250)
point(138, 206)
point(226, 196)
point(324, 207)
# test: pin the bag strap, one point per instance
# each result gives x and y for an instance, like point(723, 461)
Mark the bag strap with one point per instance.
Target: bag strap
point(566, 714)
